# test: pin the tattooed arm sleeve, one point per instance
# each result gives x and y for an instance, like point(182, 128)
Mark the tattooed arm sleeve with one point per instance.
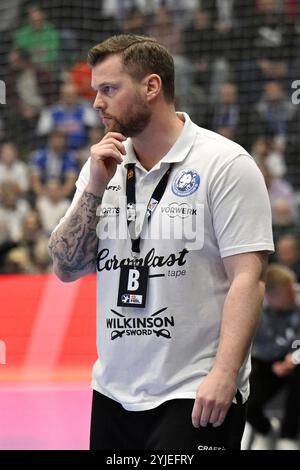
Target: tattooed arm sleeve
point(73, 246)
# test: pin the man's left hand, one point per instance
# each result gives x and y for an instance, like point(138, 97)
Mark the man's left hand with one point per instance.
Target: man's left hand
point(213, 399)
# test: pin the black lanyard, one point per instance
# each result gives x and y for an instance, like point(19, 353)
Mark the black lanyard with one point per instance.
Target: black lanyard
point(152, 204)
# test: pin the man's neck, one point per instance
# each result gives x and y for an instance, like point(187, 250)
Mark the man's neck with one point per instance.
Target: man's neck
point(157, 139)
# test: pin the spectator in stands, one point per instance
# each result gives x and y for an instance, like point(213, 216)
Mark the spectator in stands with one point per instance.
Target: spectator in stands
point(269, 49)
point(11, 168)
point(198, 44)
point(31, 254)
point(287, 251)
point(226, 118)
point(295, 64)
point(165, 31)
point(274, 363)
point(225, 52)
point(56, 162)
point(28, 83)
point(281, 196)
point(135, 22)
point(224, 24)
point(9, 15)
point(70, 115)
point(292, 156)
point(272, 114)
point(263, 152)
point(52, 206)
point(39, 38)
point(189, 95)
point(6, 245)
point(80, 76)
point(86, 19)
point(292, 8)
point(13, 209)
point(28, 90)
point(120, 8)
point(17, 261)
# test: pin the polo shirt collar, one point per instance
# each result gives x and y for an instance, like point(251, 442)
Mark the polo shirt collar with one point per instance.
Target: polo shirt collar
point(177, 153)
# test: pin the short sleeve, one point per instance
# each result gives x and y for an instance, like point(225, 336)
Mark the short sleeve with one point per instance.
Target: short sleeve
point(240, 208)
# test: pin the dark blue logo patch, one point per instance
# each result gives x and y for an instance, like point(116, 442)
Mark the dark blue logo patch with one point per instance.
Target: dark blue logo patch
point(186, 182)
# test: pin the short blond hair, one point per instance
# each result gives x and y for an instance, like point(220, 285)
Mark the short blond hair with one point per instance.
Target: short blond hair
point(278, 276)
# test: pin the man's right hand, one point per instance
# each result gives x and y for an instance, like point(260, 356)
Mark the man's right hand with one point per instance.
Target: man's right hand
point(105, 156)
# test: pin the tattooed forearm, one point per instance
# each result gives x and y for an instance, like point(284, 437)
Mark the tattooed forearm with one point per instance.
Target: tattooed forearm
point(73, 246)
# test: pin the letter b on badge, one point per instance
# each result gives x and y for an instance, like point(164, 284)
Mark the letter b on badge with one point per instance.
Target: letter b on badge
point(133, 286)
point(133, 277)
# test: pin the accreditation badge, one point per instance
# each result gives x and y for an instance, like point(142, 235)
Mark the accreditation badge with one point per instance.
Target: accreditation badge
point(133, 286)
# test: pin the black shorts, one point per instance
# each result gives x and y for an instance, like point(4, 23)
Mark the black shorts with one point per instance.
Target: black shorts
point(167, 427)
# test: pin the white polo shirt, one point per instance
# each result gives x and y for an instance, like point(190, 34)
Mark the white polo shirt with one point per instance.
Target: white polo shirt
point(215, 205)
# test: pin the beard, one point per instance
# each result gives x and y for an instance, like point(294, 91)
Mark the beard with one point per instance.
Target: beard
point(137, 118)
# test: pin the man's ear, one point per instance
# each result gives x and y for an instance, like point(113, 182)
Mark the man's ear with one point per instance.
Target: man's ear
point(153, 86)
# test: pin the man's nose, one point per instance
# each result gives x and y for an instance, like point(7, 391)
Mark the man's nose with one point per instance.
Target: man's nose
point(98, 103)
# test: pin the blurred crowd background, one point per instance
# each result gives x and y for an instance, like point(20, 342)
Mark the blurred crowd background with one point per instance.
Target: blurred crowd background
point(236, 62)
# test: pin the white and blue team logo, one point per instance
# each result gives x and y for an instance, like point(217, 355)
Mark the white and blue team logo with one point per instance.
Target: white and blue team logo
point(186, 182)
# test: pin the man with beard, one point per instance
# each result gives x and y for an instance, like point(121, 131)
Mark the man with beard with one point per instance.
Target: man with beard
point(181, 217)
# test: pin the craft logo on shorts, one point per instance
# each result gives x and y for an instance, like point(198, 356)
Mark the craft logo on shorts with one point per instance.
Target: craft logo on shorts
point(186, 182)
